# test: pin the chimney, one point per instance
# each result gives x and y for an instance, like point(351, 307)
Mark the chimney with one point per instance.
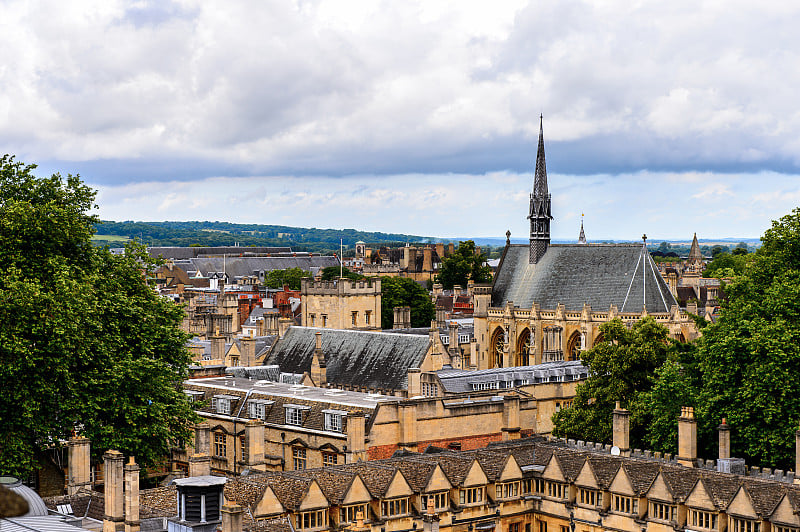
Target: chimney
point(511, 423)
point(406, 317)
point(113, 520)
point(318, 365)
point(132, 496)
point(397, 323)
point(441, 316)
point(80, 477)
point(687, 437)
point(248, 353)
point(412, 259)
point(232, 517)
point(440, 250)
point(724, 439)
point(202, 438)
point(283, 326)
point(451, 248)
point(621, 430)
point(407, 414)
point(453, 329)
point(254, 441)
point(199, 465)
point(427, 259)
point(414, 382)
point(217, 346)
point(356, 432)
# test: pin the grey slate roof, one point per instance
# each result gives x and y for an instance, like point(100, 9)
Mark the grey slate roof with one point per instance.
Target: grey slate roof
point(175, 252)
point(241, 266)
point(354, 358)
point(573, 274)
point(456, 380)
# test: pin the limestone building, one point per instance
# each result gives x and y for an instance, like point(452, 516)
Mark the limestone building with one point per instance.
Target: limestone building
point(341, 303)
point(547, 301)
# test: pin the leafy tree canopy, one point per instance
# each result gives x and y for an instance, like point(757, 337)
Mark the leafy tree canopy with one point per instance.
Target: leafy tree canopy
point(619, 370)
point(85, 343)
point(463, 265)
point(405, 292)
point(330, 273)
point(289, 276)
point(727, 264)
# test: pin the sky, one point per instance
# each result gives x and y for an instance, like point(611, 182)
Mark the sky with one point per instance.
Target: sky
point(418, 117)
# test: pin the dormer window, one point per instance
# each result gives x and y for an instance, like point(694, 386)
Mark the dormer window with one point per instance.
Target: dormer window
point(195, 396)
point(507, 490)
point(295, 413)
point(258, 408)
point(334, 420)
point(221, 404)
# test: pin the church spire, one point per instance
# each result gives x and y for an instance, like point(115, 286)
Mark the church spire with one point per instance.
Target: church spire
point(540, 205)
point(581, 236)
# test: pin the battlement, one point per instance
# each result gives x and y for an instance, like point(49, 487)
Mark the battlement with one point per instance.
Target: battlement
point(340, 287)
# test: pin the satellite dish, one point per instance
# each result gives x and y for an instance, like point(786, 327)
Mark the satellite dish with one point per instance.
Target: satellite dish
point(615, 451)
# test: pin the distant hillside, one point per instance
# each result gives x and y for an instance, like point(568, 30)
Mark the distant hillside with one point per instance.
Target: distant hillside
point(229, 234)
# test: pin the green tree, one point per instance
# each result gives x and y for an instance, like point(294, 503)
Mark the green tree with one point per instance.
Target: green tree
point(464, 265)
point(619, 370)
point(726, 265)
point(405, 292)
point(331, 273)
point(289, 276)
point(85, 343)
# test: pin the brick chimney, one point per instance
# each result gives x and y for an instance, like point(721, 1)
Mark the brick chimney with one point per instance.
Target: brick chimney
point(687, 437)
point(113, 520)
point(621, 430)
point(724, 439)
point(80, 466)
point(132, 523)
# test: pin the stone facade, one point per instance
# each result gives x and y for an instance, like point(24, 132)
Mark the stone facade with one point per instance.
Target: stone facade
point(341, 304)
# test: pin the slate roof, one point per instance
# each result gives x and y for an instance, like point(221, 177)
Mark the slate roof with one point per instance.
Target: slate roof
point(600, 275)
point(377, 476)
point(679, 480)
point(241, 266)
point(456, 380)
point(175, 252)
point(604, 468)
point(353, 358)
point(641, 474)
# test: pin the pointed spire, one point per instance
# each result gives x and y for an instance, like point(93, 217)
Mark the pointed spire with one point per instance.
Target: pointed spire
point(581, 236)
point(694, 253)
point(540, 177)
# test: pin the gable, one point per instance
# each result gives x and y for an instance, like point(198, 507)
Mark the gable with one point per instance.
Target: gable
point(586, 477)
point(476, 476)
point(357, 492)
point(659, 490)
point(621, 483)
point(699, 497)
point(438, 481)
point(742, 505)
point(314, 498)
point(553, 470)
point(511, 471)
point(398, 487)
point(269, 504)
point(784, 513)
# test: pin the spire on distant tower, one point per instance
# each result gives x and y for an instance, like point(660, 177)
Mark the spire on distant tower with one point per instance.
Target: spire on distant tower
point(695, 261)
point(540, 205)
point(581, 236)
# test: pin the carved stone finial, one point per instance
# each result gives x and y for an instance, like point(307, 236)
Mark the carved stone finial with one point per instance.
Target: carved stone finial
point(508, 237)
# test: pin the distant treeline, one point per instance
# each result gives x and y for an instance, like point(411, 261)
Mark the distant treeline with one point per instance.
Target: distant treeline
point(229, 234)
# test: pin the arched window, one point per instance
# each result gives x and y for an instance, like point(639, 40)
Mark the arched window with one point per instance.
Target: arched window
point(524, 348)
point(496, 348)
point(574, 346)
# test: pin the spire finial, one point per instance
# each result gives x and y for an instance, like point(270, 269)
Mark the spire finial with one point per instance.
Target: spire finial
point(644, 239)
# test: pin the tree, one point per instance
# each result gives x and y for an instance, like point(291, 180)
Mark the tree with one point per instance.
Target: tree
point(726, 265)
point(464, 265)
point(619, 370)
point(330, 273)
point(289, 277)
point(405, 292)
point(85, 343)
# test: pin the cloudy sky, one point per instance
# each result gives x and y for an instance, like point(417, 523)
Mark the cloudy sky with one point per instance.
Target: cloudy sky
point(414, 116)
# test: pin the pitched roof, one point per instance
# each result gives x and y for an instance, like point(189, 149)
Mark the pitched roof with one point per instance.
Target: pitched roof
point(353, 358)
point(600, 275)
point(175, 252)
point(456, 380)
point(241, 266)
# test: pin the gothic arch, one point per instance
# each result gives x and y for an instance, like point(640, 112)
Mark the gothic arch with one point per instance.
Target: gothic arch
point(496, 348)
point(600, 338)
point(574, 347)
point(524, 348)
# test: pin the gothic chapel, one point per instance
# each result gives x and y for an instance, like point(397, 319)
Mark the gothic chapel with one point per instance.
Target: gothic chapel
point(548, 301)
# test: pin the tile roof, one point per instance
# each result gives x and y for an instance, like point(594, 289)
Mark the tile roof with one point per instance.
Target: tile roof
point(354, 358)
point(604, 468)
point(573, 274)
point(376, 476)
point(641, 474)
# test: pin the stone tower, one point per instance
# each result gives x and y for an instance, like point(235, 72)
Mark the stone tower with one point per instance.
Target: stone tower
point(540, 206)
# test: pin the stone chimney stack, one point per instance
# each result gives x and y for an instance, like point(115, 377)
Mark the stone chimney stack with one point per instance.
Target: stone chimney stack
point(407, 317)
point(217, 346)
point(202, 438)
point(453, 330)
point(687, 437)
point(414, 382)
point(511, 425)
point(80, 467)
point(283, 326)
point(621, 430)
point(441, 316)
point(319, 372)
point(248, 352)
point(232, 517)
point(114, 518)
point(427, 259)
point(254, 440)
point(412, 259)
point(356, 432)
point(132, 523)
point(724, 439)
point(397, 323)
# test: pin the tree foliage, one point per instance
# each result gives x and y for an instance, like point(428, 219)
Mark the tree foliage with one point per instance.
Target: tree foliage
point(463, 265)
point(727, 264)
point(85, 343)
point(289, 277)
point(619, 370)
point(405, 292)
point(330, 273)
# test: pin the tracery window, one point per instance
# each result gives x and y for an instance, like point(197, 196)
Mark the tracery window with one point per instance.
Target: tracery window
point(524, 348)
point(498, 348)
point(553, 349)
